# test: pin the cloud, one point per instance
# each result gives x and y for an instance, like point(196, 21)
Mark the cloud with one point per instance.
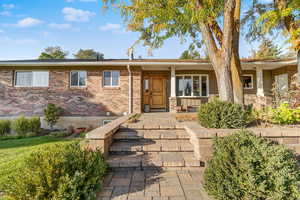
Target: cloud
point(5, 13)
point(28, 22)
point(8, 6)
point(60, 26)
point(110, 27)
point(77, 15)
point(1, 31)
point(114, 28)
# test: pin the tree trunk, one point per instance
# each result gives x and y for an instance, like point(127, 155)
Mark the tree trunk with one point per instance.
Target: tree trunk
point(224, 84)
point(236, 69)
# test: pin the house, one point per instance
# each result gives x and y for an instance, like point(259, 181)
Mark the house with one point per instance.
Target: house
point(91, 91)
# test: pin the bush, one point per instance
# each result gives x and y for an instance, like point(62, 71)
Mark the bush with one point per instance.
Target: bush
point(34, 125)
point(4, 127)
point(20, 125)
point(52, 114)
point(23, 126)
point(245, 166)
point(61, 171)
point(60, 134)
point(285, 115)
point(220, 114)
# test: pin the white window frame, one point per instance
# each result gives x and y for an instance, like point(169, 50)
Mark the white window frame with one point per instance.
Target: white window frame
point(30, 86)
point(107, 121)
point(111, 71)
point(78, 86)
point(200, 81)
point(252, 80)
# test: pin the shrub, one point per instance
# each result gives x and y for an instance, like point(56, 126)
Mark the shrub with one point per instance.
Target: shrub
point(52, 114)
point(220, 114)
point(4, 127)
point(61, 171)
point(34, 125)
point(245, 166)
point(20, 125)
point(286, 115)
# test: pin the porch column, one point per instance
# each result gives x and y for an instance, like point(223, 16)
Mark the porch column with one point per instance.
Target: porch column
point(173, 82)
point(260, 82)
point(172, 99)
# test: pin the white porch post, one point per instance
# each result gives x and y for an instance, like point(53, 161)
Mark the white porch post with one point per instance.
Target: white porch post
point(173, 82)
point(260, 82)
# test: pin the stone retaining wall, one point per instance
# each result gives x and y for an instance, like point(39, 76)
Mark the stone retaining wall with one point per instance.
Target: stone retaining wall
point(102, 137)
point(202, 138)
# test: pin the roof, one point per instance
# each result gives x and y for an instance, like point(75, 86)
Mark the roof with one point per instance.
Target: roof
point(137, 62)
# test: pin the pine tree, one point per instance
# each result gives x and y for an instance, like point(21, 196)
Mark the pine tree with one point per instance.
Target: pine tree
point(267, 50)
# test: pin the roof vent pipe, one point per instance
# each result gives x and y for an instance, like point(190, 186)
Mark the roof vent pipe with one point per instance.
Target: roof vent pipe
point(130, 52)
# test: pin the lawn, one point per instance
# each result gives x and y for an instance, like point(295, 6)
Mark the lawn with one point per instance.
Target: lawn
point(13, 151)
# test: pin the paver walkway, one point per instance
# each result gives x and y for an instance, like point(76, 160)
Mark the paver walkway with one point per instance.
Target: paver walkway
point(151, 160)
point(153, 185)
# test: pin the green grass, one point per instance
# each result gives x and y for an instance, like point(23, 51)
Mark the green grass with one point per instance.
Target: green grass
point(13, 151)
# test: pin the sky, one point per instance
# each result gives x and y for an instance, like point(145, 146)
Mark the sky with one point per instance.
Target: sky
point(29, 26)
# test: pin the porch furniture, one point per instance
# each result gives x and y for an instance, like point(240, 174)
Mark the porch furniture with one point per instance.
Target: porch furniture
point(188, 104)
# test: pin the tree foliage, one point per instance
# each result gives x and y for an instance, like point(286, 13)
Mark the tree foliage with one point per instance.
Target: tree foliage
point(277, 16)
point(55, 52)
point(88, 54)
point(267, 50)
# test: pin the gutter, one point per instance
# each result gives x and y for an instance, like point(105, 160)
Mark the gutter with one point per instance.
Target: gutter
point(133, 63)
point(129, 90)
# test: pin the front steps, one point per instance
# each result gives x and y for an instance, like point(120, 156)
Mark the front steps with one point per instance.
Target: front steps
point(146, 149)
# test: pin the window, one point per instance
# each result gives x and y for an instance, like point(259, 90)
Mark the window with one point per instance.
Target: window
point(78, 78)
point(106, 121)
point(192, 86)
point(282, 83)
point(32, 78)
point(111, 78)
point(247, 81)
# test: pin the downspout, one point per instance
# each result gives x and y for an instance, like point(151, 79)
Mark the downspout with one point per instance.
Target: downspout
point(129, 90)
point(298, 58)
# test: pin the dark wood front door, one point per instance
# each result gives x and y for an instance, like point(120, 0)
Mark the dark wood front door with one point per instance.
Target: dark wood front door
point(155, 91)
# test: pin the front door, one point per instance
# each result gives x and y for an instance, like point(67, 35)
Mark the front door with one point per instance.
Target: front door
point(155, 91)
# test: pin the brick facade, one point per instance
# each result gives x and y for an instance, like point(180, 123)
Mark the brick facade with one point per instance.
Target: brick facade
point(92, 100)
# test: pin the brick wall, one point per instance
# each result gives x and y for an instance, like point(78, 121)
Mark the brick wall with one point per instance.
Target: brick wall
point(92, 100)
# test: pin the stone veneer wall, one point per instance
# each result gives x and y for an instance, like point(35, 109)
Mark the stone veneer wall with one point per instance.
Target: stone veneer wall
point(202, 139)
point(92, 100)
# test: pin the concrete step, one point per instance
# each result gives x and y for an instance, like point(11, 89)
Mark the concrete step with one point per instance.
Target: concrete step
point(153, 126)
point(154, 160)
point(130, 134)
point(144, 145)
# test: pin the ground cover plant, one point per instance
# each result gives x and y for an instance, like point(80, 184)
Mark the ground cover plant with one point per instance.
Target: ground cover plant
point(245, 166)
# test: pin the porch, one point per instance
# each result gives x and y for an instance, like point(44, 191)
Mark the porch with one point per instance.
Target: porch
point(183, 89)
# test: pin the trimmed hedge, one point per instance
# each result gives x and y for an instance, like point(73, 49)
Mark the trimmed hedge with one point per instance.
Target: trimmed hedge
point(245, 166)
point(61, 171)
point(220, 114)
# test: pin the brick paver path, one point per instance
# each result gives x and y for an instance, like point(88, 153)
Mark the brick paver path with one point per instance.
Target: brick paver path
point(153, 185)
